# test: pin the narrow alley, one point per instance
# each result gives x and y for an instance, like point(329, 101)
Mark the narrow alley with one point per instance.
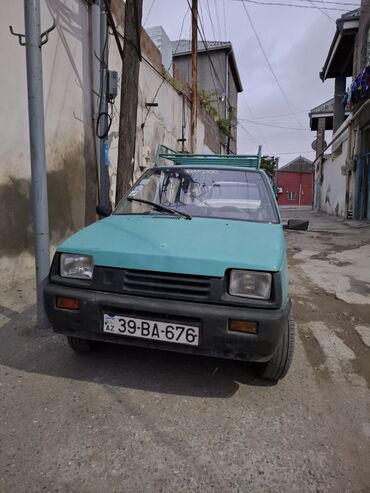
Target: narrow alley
point(89, 423)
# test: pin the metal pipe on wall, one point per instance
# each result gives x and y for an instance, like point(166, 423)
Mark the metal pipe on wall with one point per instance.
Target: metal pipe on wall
point(37, 150)
point(103, 107)
point(99, 41)
point(95, 56)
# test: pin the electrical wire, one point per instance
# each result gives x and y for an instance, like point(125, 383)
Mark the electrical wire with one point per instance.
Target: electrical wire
point(294, 152)
point(211, 20)
point(101, 89)
point(272, 125)
point(256, 2)
point(276, 116)
point(224, 12)
point(218, 19)
point(332, 2)
point(322, 10)
point(202, 36)
point(213, 70)
point(163, 78)
point(109, 117)
point(269, 64)
point(149, 12)
point(258, 141)
point(342, 4)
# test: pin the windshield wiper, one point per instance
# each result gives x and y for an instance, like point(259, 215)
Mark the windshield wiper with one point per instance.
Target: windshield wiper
point(161, 208)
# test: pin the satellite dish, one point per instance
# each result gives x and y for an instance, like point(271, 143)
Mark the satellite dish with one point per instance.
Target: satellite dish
point(314, 145)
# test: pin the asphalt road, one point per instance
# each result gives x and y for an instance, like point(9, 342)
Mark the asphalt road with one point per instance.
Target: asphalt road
point(129, 420)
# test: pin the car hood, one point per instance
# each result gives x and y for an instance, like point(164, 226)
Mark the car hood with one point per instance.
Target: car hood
point(201, 246)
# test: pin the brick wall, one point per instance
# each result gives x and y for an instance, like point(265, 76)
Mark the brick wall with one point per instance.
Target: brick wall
point(296, 188)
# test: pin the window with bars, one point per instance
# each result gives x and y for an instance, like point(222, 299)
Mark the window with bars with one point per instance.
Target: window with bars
point(290, 195)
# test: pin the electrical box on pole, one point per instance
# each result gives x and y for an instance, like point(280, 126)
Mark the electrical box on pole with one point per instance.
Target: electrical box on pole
point(112, 89)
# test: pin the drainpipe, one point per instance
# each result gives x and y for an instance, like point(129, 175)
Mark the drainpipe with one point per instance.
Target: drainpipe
point(95, 56)
point(103, 106)
point(100, 65)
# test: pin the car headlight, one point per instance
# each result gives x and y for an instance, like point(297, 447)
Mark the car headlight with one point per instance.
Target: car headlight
point(76, 266)
point(250, 284)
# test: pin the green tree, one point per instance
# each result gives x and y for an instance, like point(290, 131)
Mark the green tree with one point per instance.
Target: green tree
point(269, 164)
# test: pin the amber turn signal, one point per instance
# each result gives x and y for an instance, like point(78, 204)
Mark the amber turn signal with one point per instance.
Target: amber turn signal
point(243, 326)
point(67, 303)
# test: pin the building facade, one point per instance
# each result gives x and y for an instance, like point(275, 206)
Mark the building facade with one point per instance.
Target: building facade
point(342, 180)
point(218, 79)
point(294, 183)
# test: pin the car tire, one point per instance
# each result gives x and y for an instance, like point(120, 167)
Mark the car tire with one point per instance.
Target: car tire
point(279, 364)
point(79, 345)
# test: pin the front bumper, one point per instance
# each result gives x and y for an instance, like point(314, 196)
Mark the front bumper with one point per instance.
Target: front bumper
point(213, 320)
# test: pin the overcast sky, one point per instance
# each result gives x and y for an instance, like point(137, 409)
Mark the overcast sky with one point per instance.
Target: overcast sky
point(296, 41)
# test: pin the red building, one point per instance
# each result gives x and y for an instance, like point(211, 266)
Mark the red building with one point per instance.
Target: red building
point(294, 182)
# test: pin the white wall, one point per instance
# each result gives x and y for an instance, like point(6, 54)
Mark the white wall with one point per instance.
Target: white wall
point(68, 130)
point(333, 188)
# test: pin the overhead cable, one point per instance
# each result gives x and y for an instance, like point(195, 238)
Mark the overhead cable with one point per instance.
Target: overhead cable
point(211, 20)
point(280, 4)
point(322, 10)
point(272, 125)
point(149, 12)
point(269, 64)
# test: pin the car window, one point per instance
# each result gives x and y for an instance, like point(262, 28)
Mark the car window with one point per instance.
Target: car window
point(221, 193)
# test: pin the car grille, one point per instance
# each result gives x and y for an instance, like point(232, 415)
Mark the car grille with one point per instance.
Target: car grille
point(154, 284)
point(166, 284)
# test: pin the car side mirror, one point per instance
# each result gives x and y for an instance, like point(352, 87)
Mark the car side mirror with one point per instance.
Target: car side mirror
point(103, 211)
point(297, 225)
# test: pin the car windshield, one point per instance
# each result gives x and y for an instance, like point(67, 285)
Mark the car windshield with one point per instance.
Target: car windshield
point(217, 193)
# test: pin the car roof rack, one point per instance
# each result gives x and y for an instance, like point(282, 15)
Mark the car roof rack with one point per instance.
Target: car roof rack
point(165, 154)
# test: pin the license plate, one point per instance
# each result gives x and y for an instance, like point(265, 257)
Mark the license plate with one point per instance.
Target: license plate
point(150, 329)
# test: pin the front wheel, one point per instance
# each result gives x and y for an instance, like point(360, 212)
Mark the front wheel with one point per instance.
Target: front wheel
point(279, 364)
point(79, 345)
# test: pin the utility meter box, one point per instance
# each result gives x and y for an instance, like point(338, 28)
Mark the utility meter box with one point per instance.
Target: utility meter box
point(112, 84)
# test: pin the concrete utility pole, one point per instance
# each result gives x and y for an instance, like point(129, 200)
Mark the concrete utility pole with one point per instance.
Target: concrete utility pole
point(194, 74)
point(33, 41)
point(129, 96)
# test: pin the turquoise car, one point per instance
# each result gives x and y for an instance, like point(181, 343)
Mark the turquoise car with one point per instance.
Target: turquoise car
point(192, 259)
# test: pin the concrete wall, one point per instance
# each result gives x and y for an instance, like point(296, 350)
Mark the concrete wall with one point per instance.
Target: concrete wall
point(69, 132)
point(207, 79)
